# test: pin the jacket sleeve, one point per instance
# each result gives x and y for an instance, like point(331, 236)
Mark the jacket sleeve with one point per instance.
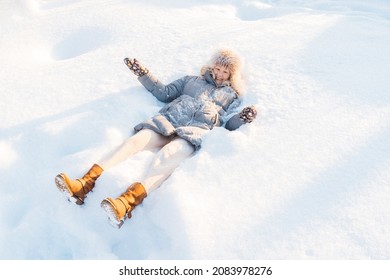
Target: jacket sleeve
point(164, 93)
point(234, 122)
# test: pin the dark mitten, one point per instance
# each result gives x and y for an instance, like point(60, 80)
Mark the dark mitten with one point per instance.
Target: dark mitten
point(248, 114)
point(136, 67)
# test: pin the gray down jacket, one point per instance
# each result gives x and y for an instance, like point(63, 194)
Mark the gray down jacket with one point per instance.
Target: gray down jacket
point(195, 105)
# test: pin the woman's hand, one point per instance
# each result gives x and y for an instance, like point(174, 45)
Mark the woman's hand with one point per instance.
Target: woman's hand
point(248, 114)
point(136, 67)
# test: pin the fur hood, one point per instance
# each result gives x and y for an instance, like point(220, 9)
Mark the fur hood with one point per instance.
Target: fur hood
point(233, 62)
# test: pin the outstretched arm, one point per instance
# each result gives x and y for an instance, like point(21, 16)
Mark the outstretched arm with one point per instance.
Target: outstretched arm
point(247, 115)
point(164, 93)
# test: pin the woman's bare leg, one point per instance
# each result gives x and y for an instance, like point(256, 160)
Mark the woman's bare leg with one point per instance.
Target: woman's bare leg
point(166, 161)
point(143, 140)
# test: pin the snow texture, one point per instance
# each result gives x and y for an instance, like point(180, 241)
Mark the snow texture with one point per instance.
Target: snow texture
point(308, 179)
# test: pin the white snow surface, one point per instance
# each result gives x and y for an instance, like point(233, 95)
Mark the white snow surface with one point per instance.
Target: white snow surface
point(309, 179)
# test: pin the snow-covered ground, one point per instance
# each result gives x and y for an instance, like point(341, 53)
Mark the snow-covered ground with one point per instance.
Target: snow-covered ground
point(309, 179)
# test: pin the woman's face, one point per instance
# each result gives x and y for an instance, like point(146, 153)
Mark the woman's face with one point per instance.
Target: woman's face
point(221, 74)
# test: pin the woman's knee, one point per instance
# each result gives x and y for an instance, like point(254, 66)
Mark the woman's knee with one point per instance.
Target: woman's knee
point(177, 147)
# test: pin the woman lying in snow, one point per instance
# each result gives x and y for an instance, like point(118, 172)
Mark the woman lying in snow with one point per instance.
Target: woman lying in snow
point(195, 105)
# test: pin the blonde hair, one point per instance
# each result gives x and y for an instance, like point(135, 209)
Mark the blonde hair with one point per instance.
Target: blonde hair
point(230, 60)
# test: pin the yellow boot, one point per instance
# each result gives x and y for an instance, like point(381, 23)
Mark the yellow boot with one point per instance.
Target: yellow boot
point(120, 208)
point(77, 190)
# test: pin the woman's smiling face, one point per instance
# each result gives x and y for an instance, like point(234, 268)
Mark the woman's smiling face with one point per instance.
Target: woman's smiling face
point(221, 74)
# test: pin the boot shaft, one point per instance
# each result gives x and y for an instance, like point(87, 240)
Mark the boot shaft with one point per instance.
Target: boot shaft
point(134, 194)
point(88, 180)
point(127, 201)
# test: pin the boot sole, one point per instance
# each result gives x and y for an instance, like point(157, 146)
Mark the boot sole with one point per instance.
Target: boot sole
point(65, 190)
point(110, 211)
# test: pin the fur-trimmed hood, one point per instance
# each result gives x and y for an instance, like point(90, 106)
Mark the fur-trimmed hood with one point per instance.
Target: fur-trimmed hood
point(233, 62)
